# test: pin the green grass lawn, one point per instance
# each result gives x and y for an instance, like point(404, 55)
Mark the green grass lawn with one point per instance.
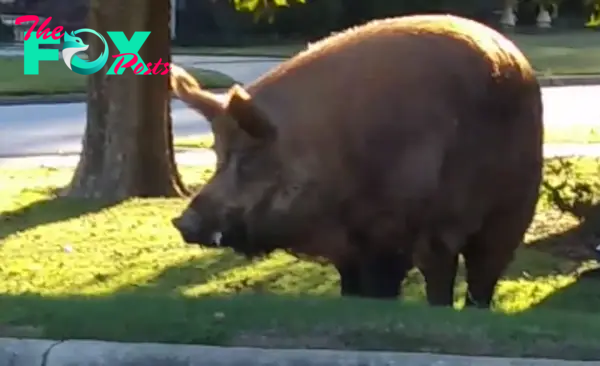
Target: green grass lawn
point(195, 142)
point(72, 269)
point(277, 50)
point(56, 78)
point(562, 54)
point(574, 53)
point(554, 135)
point(572, 135)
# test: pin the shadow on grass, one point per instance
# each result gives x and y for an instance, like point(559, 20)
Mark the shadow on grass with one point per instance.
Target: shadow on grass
point(302, 322)
point(202, 271)
point(573, 189)
point(48, 211)
point(153, 310)
point(569, 251)
point(567, 225)
point(161, 309)
point(585, 289)
point(572, 193)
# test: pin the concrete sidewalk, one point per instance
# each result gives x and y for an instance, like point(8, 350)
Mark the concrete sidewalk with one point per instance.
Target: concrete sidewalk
point(198, 157)
point(206, 157)
point(15, 352)
point(545, 81)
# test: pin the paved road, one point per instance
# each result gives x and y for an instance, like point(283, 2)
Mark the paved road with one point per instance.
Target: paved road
point(58, 128)
point(54, 128)
point(51, 129)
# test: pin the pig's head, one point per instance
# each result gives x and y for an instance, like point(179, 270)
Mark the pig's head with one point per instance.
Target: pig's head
point(242, 204)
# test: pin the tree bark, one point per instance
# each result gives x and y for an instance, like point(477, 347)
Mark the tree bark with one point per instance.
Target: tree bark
point(128, 142)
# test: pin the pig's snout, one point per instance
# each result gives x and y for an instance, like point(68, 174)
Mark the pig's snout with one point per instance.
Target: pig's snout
point(194, 231)
point(189, 225)
point(189, 220)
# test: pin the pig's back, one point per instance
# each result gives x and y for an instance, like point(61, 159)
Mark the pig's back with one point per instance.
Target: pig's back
point(403, 74)
point(412, 102)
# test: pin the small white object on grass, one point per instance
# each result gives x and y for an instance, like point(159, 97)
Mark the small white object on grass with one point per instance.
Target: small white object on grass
point(217, 238)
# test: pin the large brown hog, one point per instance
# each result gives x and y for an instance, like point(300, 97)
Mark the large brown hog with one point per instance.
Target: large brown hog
point(405, 140)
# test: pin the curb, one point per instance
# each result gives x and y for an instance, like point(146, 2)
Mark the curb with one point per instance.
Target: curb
point(77, 153)
point(187, 158)
point(203, 156)
point(551, 81)
point(32, 352)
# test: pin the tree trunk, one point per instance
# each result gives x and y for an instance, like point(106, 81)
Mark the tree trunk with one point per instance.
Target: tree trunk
point(508, 18)
point(128, 142)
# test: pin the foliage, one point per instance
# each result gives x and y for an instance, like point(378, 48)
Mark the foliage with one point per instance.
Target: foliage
point(594, 20)
point(569, 185)
point(262, 8)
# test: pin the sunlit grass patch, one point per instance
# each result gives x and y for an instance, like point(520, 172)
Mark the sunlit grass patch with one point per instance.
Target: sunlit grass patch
point(195, 142)
point(576, 134)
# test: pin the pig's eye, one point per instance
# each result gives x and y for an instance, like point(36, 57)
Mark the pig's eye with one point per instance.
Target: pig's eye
point(245, 165)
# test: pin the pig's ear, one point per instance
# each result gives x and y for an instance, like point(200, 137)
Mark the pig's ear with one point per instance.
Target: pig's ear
point(186, 88)
point(249, 117)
